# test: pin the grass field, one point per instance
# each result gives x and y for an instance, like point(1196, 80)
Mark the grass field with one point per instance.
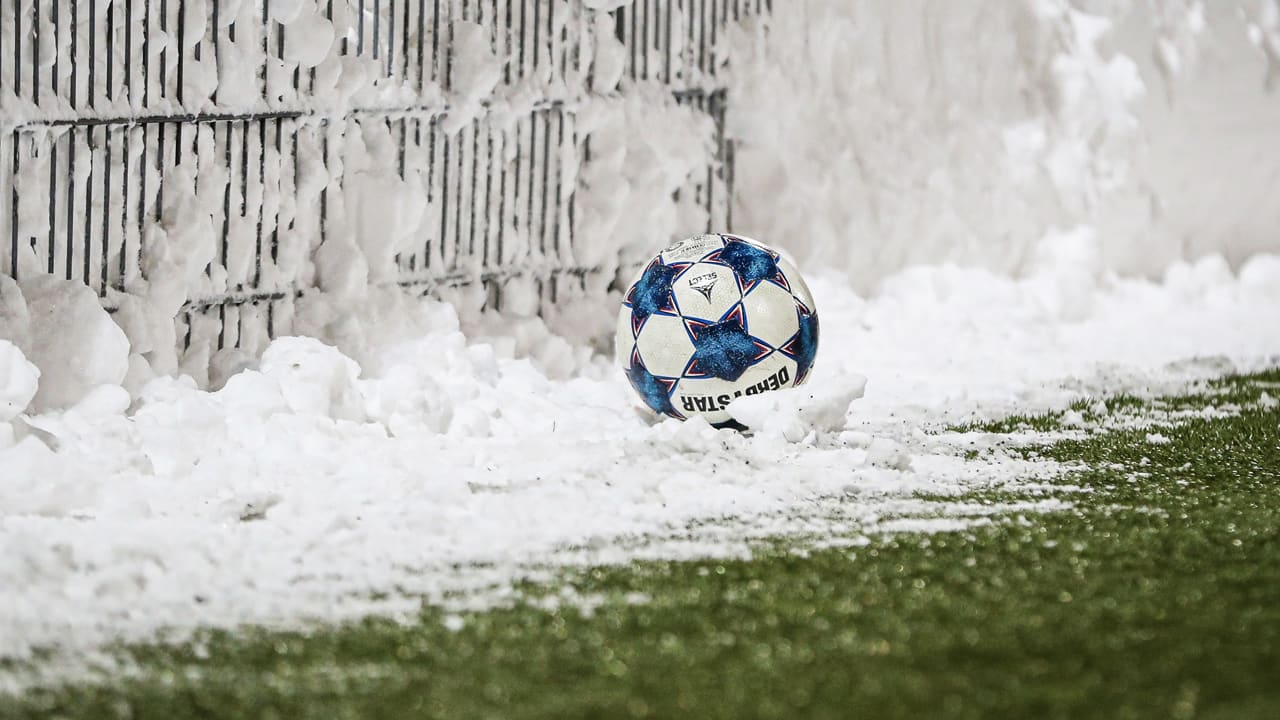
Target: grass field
point(1156, 596)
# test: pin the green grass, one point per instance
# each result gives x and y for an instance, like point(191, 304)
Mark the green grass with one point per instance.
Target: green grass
point(1158, 596)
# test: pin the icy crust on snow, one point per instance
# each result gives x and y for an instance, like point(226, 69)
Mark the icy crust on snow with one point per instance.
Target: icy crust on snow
point(873, 135)
point(308, 489)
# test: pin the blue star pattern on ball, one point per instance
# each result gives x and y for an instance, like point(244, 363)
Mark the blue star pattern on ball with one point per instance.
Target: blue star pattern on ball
point(804, 346)
point(655, 391)
point(752, 264)
point(652, 293)
point(724, 350)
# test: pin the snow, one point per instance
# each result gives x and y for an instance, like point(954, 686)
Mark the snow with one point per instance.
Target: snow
point(795, 412)
point(309, 377)
point(72, 340)
point(967, 132)
point(306, 486)
point(18, 378)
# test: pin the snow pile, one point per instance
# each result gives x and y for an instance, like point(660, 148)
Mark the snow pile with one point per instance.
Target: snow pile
point(18, 378)
point(72, 340)
point(874, 135)
point(308, 488)
point(869, 137)
point(798, 412)
point(61, 328)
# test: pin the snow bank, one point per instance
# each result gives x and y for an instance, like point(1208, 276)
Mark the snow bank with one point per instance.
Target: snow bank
point(874, 135)
point(870, 137)
point(61, 328)
point(18, 381)
point(72, 340)
point(307, 488)
point(799, 412)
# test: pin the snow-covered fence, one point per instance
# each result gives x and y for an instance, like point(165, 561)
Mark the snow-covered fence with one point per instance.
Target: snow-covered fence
point(216, 159)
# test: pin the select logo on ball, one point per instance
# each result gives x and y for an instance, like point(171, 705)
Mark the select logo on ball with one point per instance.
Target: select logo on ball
point(704, 284)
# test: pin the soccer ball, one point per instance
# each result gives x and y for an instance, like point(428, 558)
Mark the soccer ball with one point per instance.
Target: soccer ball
point(713, 318)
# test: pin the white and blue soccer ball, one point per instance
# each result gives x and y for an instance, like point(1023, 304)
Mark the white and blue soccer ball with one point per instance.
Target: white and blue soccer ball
point(713, 318)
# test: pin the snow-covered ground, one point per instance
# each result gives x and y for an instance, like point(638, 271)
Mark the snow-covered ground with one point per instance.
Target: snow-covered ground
point(304, 487)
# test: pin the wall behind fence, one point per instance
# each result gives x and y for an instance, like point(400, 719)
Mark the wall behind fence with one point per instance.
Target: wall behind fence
point(203, 164)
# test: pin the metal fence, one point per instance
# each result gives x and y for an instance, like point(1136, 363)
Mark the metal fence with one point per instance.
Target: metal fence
point(114, 115)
